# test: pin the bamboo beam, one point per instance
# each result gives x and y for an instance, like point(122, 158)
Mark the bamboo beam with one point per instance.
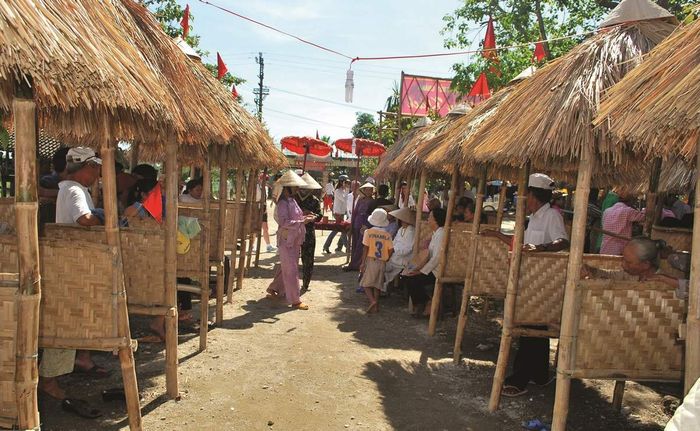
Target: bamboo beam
point(234, 227)
point(442, 263)
point(511, 291)
point(221, 240)
point(204, 262)
point(471, 267)
point(126, 355)
point(170, 275)
point(29, 292)
point(419, 212)
point(692, 341)
point(568, 318)
point(650, 216)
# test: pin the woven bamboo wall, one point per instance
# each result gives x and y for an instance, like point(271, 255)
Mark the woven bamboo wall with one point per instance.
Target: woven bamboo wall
point(491, 270)
point(458, 250)
point(541, 285)
point(7, 212)
point(678, 239)
point(627, 329)
point(8, 335)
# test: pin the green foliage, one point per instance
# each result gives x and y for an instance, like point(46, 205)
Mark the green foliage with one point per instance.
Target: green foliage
point(365, 126)
point(516, 22)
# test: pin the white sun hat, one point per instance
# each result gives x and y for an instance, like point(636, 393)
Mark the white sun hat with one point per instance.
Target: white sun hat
point(378, 218)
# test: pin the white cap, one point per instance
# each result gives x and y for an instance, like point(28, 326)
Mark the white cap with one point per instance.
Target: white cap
point(82, 155)
point(378, 218)
point(541, 181)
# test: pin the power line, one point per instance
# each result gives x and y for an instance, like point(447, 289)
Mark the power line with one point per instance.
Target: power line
point(345, 105)
point(301, 117)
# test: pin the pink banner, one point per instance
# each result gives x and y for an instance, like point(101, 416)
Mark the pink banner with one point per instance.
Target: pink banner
point(421, 94)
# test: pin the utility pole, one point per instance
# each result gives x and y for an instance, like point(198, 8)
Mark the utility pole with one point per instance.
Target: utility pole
point(261, 92)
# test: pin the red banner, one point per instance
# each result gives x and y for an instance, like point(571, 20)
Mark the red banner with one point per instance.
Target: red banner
point(421, 94)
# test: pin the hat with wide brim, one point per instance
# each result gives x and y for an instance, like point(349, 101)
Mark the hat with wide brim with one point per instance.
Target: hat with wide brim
point(389, 208)
point(405, 214)
point(367, 186)
point(311, 183)
point(378, 218)
point(290, 179)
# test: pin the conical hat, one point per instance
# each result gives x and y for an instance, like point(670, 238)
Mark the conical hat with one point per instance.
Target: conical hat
point(367, 186)
point(405, 214)
point(290, 179)
point(311, 183)
point(635, 10)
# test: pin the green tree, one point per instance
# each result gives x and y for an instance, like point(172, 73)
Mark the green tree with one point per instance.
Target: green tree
point(523, 22)
point(365, 126)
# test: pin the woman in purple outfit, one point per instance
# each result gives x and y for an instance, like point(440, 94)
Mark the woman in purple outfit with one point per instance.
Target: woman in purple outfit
point(360, 214)
point(290, 235)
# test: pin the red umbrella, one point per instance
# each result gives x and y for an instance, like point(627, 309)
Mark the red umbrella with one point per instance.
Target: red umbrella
point(306, 145)
point(363, 147)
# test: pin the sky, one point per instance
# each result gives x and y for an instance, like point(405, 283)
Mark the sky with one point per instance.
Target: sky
point(298, 75)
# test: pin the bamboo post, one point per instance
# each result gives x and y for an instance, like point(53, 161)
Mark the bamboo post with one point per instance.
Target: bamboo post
point(234, 227)
point(511, 291)
point(171, 196)
point(692, 341)
point(650, 216)
point(262, 208)
point(471, 266)
point(419, 211)
point(501, 204)
point(397, 195)
point(437, 291)
point(618, 394)
point(204, 257)
point(250, 189)
point(126, 355)
point(568, 317)
point(134, 155)
point(250, 208)
point(29, 292)
point(221, 240)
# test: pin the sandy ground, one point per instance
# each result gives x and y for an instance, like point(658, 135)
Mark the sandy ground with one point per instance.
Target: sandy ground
point(334, 368)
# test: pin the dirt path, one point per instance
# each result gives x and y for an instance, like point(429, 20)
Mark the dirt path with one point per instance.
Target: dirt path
point(335, 368)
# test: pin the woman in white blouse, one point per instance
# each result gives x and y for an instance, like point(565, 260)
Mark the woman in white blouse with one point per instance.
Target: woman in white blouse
point(420, 281)
point(403, 244)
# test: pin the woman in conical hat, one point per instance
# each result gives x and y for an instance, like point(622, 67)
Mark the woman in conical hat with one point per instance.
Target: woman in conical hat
point(310, 204)
point(403, 244)
point(290, 235)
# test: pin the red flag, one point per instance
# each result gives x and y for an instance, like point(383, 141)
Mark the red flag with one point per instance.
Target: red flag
point(490, 42)
point(234, 92)
point(540, 53)
point(480, 91)
point(154, 203)
point(185, 22)
point(220, 67)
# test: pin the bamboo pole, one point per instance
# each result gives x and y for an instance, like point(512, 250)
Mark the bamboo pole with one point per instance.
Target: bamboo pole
point(249, 223)
point(204, 262)
point(442, 263)
point(134, 155)
point(29, 292)
point(692, 341)
point(511, 290)
point(397, 195)
point(170, 275)
point(501, 204)
point(234, 227)
point(419, 212)
point(650, 216)
point(618, 394)
point(250, 189)
point(221, 240)
point(262, 208)
point(568, 318)
point(471, 266)
point(126, 355)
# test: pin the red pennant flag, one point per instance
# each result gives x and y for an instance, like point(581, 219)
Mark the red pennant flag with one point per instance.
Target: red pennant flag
point(480, 91)
point(234, 92)
point(154, 203)
point(490, 42)
point(539, 51)
point(220, 67)
point(185, 22)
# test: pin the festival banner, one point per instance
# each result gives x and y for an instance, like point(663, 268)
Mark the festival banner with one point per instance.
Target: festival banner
point(422, 94)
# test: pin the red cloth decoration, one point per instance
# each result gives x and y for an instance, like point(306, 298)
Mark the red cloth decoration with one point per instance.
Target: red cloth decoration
point(480, 91)
point(490, 42)
point(303, 144)
point(540, 53)
point(220, 67)
point(234, 92)
point(185, 22)
point(154, 203)
point(363, 147)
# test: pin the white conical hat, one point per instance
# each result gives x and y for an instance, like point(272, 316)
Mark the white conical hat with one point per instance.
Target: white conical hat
point(422, 122)
point(290, 179)
point(311, 183)
point(525, 74)
point(635, 10)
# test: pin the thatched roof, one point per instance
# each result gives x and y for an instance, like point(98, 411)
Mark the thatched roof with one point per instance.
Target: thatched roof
point(83, 59)
point(655, 108)
point(384, 169)
point(547, 119)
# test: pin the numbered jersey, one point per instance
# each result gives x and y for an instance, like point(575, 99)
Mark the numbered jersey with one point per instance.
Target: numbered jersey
point(379, 243)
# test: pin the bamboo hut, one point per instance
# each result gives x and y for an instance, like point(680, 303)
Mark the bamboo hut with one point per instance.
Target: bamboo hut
point(552, 130)
point(637, 111)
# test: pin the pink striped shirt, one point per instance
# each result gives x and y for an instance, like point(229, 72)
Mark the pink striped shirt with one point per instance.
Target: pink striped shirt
point(618, 219)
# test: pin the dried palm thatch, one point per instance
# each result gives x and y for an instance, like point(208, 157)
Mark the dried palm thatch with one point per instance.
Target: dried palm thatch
point(655, 109)
point(384, 168)
point(547, 119)
point(83, 60)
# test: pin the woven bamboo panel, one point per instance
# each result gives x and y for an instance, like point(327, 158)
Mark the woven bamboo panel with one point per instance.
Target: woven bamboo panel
point(8, 335)
point(627, 329)
point(457, 249)
point(676, 238)
point(7, 212)
point(8, 253)
point(425, 232)
point(541, 285)
point(77, 300)
point(190, 264)
point(491, 270)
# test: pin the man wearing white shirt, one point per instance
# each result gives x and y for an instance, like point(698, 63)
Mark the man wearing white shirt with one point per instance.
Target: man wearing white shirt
point(340, 208)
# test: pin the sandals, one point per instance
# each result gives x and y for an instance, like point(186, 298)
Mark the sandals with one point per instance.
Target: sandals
point(300, 306)
point(96, 372)
point(80, 408)
point(550, 379)
point(511, 391)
